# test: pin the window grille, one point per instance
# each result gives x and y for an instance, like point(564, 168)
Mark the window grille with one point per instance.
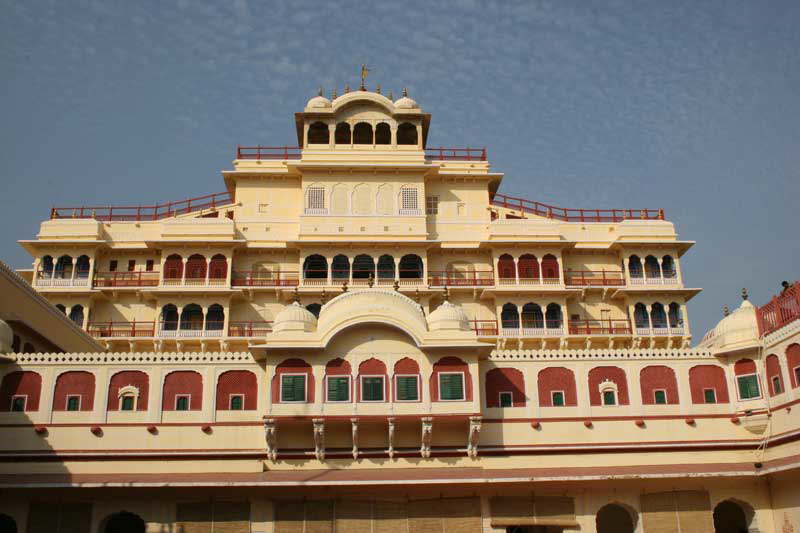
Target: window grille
point(127, 403)
point(407, 389)
point(451, 386)
point(315, 198)
point(408, 200)
point(609, 398)
point(182, 403)
point(293, 388)
point(338, 389)
point(432, 205)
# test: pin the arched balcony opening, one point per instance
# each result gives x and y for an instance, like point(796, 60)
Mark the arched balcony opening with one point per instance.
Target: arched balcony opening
point(641, 317)
point(63, 268)
point(635, 267)
point(386, 269)
point(363, 267)
point(550, 269)
point(506, 270)
point(668, 267)
point(362, 133)
point(169, 318)
point(314, 309)
point(76, 315)
point(658, 316)
point(651, 268)
point(407, 134)
point(318, 133)
point(613, 518)
point(733, 516)
point(196, 269)
point(553, 317)
point(124, 522)
point(532, 317)
point(215, 318)
point(82, 267)
point(674, 315)
point(173, 267)
point(407, 382)
point(509, 320)
point(410, 267)
point(47, 265)
point(218, 269)
point(315, 267)
point(383, 134)
point(61, 308)
point(342, 134)
point(191, 319)
point(528, 267)
point(340, 268)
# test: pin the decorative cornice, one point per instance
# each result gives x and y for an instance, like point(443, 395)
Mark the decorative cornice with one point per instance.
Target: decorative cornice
point(630, 354)
point(122, 358)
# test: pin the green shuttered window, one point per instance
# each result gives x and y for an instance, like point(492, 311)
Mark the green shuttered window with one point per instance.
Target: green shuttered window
point(338, 389)
point(660, 396)
point(293, 388)
point(372, 388)
point(407, 389)
point(73, 403)
point(710, 395)
point(558, 399)
point(748, 387)
point(451, 386)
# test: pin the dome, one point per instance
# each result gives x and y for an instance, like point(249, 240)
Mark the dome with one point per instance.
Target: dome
point(294, 317)
point(406, 103)
point(6, 337)
point(448, 316)
point(318, 102)
point(736, 331)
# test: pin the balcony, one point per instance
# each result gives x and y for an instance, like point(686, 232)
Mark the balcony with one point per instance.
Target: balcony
point(262, 153)
point(575, 215)
point(594, 278)
point(183, 330)
point(105, 330)
point(194, 282)
point(61, 279)
point(144, 212)
point(255, 328)
point(455, 154)
point(669, 278)
point(525, 281)
point(455, 278)
point(600, 327)
point(360, 278)
point(485, 328)
point(781, 310)
point(549, 329)
point(261, 278)
point(661, 331)
point(126, 279)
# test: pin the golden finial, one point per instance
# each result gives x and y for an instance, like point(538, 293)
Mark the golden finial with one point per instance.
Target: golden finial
point(405, 91)
point(364, 74)
point(333, 94)
point(319, 92)
point(378, 88)
point(344, 286)
point(725, 310)
point(371, 280)
point(296, 296)
point(744, 294)
point(391, 95)
point(346, 88)
point(396, 286)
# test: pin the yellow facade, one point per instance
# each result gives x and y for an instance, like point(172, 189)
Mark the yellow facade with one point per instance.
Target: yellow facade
point(362, 334)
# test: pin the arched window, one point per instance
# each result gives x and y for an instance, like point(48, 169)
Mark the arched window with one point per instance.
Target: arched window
point(293, 382)
point(793, 361)
point(505, 387)
point(315, 267)
point(383, 134)
point(237, 390)
point(196, 267)
point(340, 199)
point(338, 386)
point(668, 267)
point(528, 267)
point(659, 385)
point(215, 318)
point(47, 264)
point(407, 381)
point(64, 267)
point(613, 518)
point(747, 383)
point(640, 316)
point(314, 309)
point(451, 380)
point(410, 267)
point(557, 387)
point(552, 316)
point(169, 318)
point(340, 267)
point(7, 524)
point(774, 375)
point(74, 391)
point(15, 344)
point(386, 267)
point(635, 267)
point(708, 384)
point(362, 200)
point(82, 267)
point(342, 135)
point(651, 268)
point(218, 267)
point(407, 134)
point(506, 269)
point(550, 268)
point(409, 202)
point(128, 391)
point(315, 200)
point(191, 318)
point(76, 315)
point(532, 316)
point(318, 133)
point(363, 266)
point(384, 200)
point(674, 315)
point(173, 267)
point(604, 379)
point(362, 133)
point(373, 383)
point(731, 516)
point(658, 316)
point(183, 391)
point(20, 391)
point(509, 317)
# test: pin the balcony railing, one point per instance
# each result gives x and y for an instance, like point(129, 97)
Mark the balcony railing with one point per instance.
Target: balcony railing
point(360, 278)
point(669, 279)
point(599, 327)
point(253, 328)
point(194, 282)
point(545, 329)
point(144, 212)
point(455, 154)
point(485, 328)
point(594, 278)
point(62, 279)
point(212, 329)
point(781, 310)
point(527, 281)
point(268, 152)
point(455, 278)
point(126, 279)
point(575, 215)
point(260, 278)
point(121, 329)
point(661, 331)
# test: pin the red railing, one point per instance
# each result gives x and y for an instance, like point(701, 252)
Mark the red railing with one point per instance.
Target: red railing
point(450, 278)
point(253, 328)
point(144, 212)
point(455, 154)
point(485, 327)
point(268, 152)
point(256, 278)
point(126, 279)
point(122, 329)
point(594, 278)
point(781, 310)
point(575, 215)
point(599, 327)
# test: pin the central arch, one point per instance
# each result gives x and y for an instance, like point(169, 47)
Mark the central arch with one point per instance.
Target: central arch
point(124, 522)
point(730, 517)
point(614, 518)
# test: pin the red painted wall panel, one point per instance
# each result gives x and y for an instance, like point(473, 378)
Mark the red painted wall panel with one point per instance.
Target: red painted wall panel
point(656, 377)
point(793, 360)
point(557, 378)
point(773, 365)
point(123, 379)
point(21, 383)
point(600, 374)
point(70, 384)
point(292, 366)
point(708, 377)
point(744, 366)
point(237, 382)
point(183, 382)
point(505, 380)
point(450, 364)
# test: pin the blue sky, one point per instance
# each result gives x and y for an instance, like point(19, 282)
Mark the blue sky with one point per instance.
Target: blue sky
point(685, 105)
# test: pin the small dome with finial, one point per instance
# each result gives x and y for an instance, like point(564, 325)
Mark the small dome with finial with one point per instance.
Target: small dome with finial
point(448, 316)
point(737, 330)
point(318, 102)
point(405, 102)
point(294, 317)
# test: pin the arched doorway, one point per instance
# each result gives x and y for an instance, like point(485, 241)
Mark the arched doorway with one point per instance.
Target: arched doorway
point(7, 524)
point(729, 517)
point(124, 522)
point(613, 518)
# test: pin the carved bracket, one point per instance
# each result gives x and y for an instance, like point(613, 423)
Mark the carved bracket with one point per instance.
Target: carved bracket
point(427, 436)
point(319, 438)
point(354, 422)
point(271, 436)
point(474, 436)
point(391, 438)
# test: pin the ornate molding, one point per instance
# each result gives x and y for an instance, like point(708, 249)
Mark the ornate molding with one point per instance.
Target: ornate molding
point(319, 438)
point(474, 436)
point(630, 354)
point(427, 437)
point(354, 429)
point(271, 437)
point(390, 451)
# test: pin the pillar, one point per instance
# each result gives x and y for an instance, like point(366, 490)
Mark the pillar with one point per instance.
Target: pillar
point(183, 270)
point(208, 270)
point(229, 271)
point(650, 317)
point(396, 269)
point(516, 270)
point(394, 136)
point(559, 260)
point(90, 274)
point(205, 316)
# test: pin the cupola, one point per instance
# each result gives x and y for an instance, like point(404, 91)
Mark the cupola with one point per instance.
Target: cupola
point(294, 317)
point(448, 316)
point(737, 331)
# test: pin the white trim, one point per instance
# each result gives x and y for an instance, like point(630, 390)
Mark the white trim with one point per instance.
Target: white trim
point(348, 377)
point(230, 401)
point(188, 404)
point(772, 381)
point(419, 387)
point(563, 398)
point(361, 388)
point(24, 403)
point(712, 389)
point(758, 384)
point(463, 386)
point(305, 387)
point(500, 399)
point(66, 401)
point(666, 397)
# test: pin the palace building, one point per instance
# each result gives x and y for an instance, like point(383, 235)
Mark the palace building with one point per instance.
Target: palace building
point(362, 334)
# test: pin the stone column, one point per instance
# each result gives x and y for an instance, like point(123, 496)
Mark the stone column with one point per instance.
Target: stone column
point(183, 271)
point(516, 270)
